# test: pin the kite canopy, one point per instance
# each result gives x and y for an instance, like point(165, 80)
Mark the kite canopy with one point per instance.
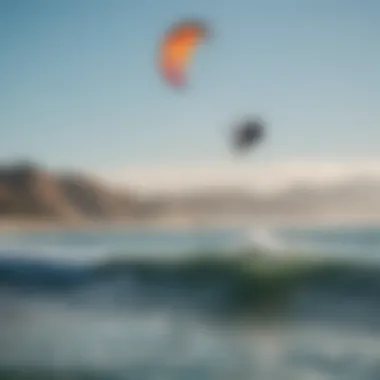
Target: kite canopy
point(248, 134)
point(177, 51)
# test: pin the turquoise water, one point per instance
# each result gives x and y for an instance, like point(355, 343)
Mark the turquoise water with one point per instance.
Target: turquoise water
point(248, 303)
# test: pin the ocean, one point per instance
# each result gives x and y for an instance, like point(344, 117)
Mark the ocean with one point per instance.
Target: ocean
point(196, 304)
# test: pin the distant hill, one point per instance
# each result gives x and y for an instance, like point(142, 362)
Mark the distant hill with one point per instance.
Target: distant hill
point(27, 190)
point(356, 197)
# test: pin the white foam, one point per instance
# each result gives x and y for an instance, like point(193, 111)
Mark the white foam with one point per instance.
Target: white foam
point(265, 239)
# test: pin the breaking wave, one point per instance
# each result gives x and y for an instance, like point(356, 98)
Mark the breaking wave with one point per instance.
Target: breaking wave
point(244, 284)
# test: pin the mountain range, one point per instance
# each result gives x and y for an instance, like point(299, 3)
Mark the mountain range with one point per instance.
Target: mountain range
point(29, 191)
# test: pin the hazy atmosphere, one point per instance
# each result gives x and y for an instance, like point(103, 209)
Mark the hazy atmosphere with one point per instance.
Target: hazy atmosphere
point(189, 190)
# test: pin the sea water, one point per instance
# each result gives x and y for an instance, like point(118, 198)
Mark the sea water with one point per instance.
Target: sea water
point(243, 303)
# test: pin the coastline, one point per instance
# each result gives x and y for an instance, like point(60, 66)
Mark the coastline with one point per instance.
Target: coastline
point(24, 225)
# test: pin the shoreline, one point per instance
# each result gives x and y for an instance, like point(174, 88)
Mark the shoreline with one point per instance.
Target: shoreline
point(22, 226)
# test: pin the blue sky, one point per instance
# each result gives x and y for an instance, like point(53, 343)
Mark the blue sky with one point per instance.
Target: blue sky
point(79, 85)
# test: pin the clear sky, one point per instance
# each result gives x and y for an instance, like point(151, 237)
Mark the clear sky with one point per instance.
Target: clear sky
point(79, 85)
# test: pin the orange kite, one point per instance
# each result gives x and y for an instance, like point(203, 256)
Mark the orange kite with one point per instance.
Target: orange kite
point(177, 50)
